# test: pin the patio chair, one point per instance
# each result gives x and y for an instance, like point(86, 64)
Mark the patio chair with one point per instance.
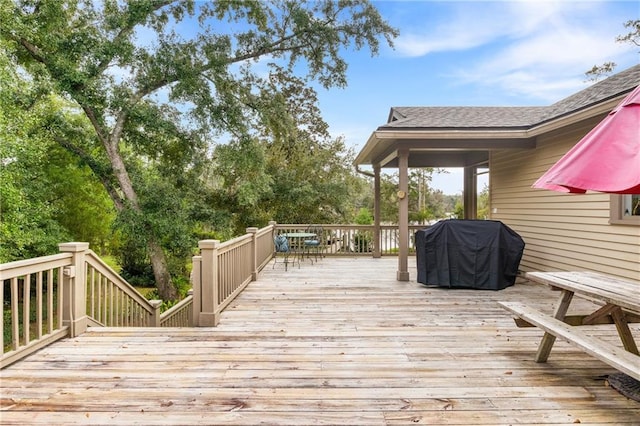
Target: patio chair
point(282, 246)
point(314, 244)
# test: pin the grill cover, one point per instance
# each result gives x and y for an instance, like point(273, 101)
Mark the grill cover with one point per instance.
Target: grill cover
point(481, 254)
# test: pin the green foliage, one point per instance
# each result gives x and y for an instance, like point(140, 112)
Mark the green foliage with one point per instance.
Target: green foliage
point(167, 214)
point(425, 202)
point(183, 285)
point(458, 211)
point(362, 240)
point(313, 181)
point(364, 217)
point(450, 202)
point(633, 36)
point(599, 71)
point(28, 227)
point(145, 98)
point(241, 183)
point(82, 205)
point(422, 216)
point(46, 195)
point(483, 203)
point(131, 255)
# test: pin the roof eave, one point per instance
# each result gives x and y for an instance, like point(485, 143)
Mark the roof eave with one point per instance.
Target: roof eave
point(381, 140)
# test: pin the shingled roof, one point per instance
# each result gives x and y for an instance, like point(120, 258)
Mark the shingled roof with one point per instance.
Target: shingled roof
point(511, 117)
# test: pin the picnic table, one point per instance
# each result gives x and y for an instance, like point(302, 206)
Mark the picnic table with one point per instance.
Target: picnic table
point(619, 302)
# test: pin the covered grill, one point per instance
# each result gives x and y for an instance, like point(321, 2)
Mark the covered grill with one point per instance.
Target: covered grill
point(481, 254)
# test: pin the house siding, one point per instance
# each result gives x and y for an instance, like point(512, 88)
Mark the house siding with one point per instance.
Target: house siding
point(561, 231)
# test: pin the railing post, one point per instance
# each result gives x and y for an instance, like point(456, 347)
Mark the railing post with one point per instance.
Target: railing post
point(254, 252)
point(273, 224)
point(196, 284)
point(209, 315)
point(74, 289)
point(190, 320)
point(154, 321)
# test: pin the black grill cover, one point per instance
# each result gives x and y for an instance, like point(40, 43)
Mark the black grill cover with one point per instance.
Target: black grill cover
point(482, 254)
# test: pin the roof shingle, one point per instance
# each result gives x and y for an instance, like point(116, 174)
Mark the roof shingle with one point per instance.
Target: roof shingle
point(511, 117)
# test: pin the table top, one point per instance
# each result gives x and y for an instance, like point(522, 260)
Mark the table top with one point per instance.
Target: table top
point(299, 234)
point(616, 291)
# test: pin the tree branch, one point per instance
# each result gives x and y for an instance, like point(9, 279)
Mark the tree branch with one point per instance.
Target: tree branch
point(96, 168)
point(125, 31)
point(267, 49)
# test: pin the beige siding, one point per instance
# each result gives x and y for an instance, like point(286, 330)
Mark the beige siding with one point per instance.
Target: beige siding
point(561, 231)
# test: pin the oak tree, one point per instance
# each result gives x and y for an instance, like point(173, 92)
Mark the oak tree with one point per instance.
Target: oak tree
point(158, 80)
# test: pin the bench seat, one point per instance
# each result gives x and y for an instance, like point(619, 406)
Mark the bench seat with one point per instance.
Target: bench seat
point(612, 355)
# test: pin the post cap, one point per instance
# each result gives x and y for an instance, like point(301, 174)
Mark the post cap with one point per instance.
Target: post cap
point(73, 247)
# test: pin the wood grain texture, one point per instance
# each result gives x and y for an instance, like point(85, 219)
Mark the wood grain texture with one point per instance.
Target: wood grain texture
point(617, 357)
point(339, 341)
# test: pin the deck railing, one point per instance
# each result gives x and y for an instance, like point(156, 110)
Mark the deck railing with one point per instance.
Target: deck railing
point(180, 315)
point(223, 270)
point(355, 240)
point(32, 322)
point(52, 297)
point(113, 302)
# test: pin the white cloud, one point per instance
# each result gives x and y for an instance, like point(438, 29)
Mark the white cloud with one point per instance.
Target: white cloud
point(470, 25)
point(521, 47)
point(531, 66)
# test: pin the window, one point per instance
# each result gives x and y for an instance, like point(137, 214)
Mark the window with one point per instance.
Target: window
point(625, 209)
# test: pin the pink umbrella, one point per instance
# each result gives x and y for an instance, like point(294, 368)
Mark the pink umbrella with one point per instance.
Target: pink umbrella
point(607, 159)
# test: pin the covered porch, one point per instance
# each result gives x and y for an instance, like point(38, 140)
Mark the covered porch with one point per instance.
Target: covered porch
point(440, 137)
point(339, 341)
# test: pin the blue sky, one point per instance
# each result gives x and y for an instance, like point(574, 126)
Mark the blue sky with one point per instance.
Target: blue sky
point(477, 53)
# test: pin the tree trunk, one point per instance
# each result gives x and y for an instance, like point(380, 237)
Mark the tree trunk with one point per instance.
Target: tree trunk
point(166, 290)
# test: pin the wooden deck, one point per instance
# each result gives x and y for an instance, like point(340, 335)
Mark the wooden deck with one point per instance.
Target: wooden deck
point(337, 342)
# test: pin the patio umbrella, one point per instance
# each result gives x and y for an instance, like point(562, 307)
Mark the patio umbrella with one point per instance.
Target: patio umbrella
point(607, 159)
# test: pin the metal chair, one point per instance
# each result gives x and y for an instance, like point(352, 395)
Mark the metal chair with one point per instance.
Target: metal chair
point(282, 246)
point(314, 243)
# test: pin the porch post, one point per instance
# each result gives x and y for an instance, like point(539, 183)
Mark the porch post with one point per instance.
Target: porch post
point(403, 215)
point(74, 285)
point(470, 196)
point(376, 211)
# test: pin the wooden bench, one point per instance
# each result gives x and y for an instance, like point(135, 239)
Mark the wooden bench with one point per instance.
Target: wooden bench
point(615, 356)
point(621, 305)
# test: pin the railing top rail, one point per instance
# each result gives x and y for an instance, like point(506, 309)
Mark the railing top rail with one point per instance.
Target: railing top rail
point(280, 226)
point(324, 225)
point(94, 260)
point(266, 230)
point(238, 241)
point(175, 309)
point(28, 266)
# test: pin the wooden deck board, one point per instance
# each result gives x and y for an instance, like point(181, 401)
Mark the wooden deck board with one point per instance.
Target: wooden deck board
point(336, 342)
